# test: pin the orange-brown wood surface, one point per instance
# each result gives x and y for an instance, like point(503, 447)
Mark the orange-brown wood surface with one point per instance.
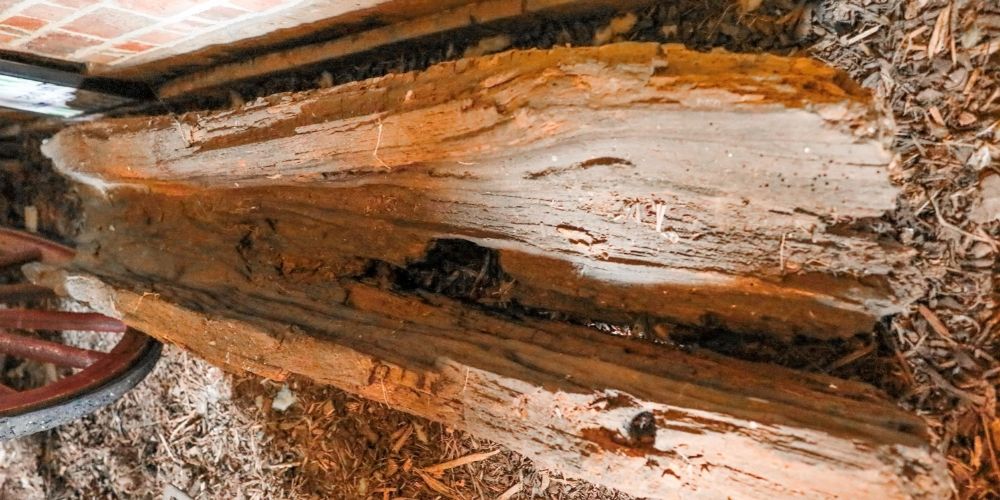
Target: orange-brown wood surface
point(709, 188)
point(631, 181)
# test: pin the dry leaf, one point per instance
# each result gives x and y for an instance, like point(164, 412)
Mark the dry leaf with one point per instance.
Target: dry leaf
point(981, 158)
point(750, 5)
point(988, 208)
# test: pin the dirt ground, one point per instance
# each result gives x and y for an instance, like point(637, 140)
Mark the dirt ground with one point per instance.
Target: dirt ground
point(934, 65)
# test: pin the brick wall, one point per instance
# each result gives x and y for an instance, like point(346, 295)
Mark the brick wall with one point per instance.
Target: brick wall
point(123, 32)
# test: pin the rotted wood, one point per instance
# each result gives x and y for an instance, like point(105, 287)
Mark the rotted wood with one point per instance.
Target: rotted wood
point(616, 182)
point(630, 181)
point(638, 417)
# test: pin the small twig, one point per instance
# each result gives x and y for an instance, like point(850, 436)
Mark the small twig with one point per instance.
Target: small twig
point(936, 323)
point(863, 35)
point(458, 462)
point(943, 383)
point(937, 214)
point(851, 357)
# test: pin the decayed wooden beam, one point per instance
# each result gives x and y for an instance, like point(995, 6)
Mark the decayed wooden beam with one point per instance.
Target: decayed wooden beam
point(413, 27)
point(303, 234)
point(638, 417)
point(617, 182)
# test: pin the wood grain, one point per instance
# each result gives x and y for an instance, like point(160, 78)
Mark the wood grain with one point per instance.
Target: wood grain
point(566, 396)
point(708, 188)
point(630, 181)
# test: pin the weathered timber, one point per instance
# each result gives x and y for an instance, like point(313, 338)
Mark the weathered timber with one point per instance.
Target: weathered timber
point(362, 25)
point(569, 397)
point(616, 182)
point(410, 28)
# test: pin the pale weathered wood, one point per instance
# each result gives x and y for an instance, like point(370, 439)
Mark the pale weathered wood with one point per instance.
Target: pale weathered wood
point(565, 396)
point(272, 239)
point(562, 160)
point(441, 20)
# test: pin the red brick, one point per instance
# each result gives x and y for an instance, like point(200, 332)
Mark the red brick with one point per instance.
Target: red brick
point(105, 57)
point(134, 46)
point(23, 22)
point(159, 37)
point(188, 26)
point(160, 8)
point(108, 23)
point(76, 3)
point(60, 43)
point(221, 13)
point(47, 12)
point(258, 5)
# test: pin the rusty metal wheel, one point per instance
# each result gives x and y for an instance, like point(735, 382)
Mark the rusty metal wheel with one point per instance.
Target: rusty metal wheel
point(82, 379)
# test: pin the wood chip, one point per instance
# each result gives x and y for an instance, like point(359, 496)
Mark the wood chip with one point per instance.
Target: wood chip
point(935, 322)
point(941, 33)
point(936, 115)
point(863, 35)
point(513, 490)
point(437, 486)
point(420, 432)
point(402, 439)
point(965, 119)
point(990, 431)
point(750, 5)
point(988, 208)
point(458, 462)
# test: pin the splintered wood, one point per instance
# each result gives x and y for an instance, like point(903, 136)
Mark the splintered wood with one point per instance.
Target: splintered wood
point(621, 182)
point(706, 187)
